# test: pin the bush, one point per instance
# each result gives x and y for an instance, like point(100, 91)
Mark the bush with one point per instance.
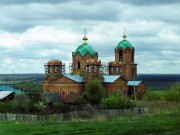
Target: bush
point(5, 107)
point(20, 104)
point(94, 91)
point(153, 95)
point(117, 102)
point(80, 101)
point(58, 107)
point(173, 93)
point(39, 107)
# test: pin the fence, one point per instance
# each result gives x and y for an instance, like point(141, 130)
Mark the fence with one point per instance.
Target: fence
point(70, 115)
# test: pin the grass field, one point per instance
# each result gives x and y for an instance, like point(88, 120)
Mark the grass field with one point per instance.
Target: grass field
point(167, 123)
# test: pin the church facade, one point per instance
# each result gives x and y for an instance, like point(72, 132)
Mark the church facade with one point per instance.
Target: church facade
point(120, 74)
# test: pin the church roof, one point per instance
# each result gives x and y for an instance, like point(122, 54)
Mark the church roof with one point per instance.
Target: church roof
point(132, 83)
point(76, 78)
point(124, 44)
point(84, 49)
point(111, 78)
point(107, 78)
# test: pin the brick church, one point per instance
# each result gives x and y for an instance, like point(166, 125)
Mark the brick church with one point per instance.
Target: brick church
point(120, 74)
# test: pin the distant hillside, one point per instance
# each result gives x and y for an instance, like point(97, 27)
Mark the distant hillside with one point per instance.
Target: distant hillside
point(159, 81)
point(35, 77)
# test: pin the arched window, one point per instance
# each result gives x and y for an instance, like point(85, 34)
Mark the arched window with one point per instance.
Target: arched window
point(79, 65)
point(120, 55)
point(132, 56)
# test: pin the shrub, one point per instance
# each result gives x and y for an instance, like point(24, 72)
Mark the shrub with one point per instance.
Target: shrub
point(130, 103)
point(58, 107)
point(5, 107)
point(173, 93)
point(153, 95)
point(39, 107)
point(20, 104)
point(94, 91)
point(117, 102)
point(80, 101)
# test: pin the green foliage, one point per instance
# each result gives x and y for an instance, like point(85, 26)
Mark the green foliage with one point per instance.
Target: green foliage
point(5, 107)
point(173, 93)
point(153, 95)
point(58, 107)
point(80, 101)
point(39, 107)
point(94, 91)
point(117, 102)
point(21, 104)
point(30, 86)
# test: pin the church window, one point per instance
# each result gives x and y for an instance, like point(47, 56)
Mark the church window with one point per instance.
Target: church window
point(95, 68)
point(79, 65)
point(120, 70)
point(55, 69)
point(90, 68)
point(87, 69)
point(111, 69)
point(117, 69)
point(121, 55)
point(132, 56)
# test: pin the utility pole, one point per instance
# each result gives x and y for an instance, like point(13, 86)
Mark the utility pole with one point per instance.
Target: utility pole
point(13, 81)
point(134, 88)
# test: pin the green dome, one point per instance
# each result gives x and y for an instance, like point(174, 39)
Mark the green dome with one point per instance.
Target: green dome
point(83, 49)
point(124, 44)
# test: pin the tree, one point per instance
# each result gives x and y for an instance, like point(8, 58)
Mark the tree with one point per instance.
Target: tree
point(30, 86)
point(94, 91)
point(20, 103)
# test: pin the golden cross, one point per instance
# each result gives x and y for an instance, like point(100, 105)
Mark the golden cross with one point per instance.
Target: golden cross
point(84, 31)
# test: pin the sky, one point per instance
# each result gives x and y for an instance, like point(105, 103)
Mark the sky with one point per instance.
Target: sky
point(33, 32)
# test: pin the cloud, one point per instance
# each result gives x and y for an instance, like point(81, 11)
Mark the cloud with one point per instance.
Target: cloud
point(33, 32)
point(20, 2)
point(21, 17)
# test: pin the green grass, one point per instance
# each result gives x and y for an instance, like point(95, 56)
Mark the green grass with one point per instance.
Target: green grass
point(159, 106)
point(165, 123)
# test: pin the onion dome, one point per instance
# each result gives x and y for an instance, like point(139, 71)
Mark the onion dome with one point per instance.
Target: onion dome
point(84, 48)
point(124, 43)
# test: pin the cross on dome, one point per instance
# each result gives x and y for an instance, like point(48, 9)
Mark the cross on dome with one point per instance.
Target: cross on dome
point(85, 37)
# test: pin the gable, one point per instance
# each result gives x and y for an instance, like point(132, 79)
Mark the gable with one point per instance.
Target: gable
point(142, 84)
point(63, 80)
point(120, 80)
point(114, 79)
point(68, 79)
